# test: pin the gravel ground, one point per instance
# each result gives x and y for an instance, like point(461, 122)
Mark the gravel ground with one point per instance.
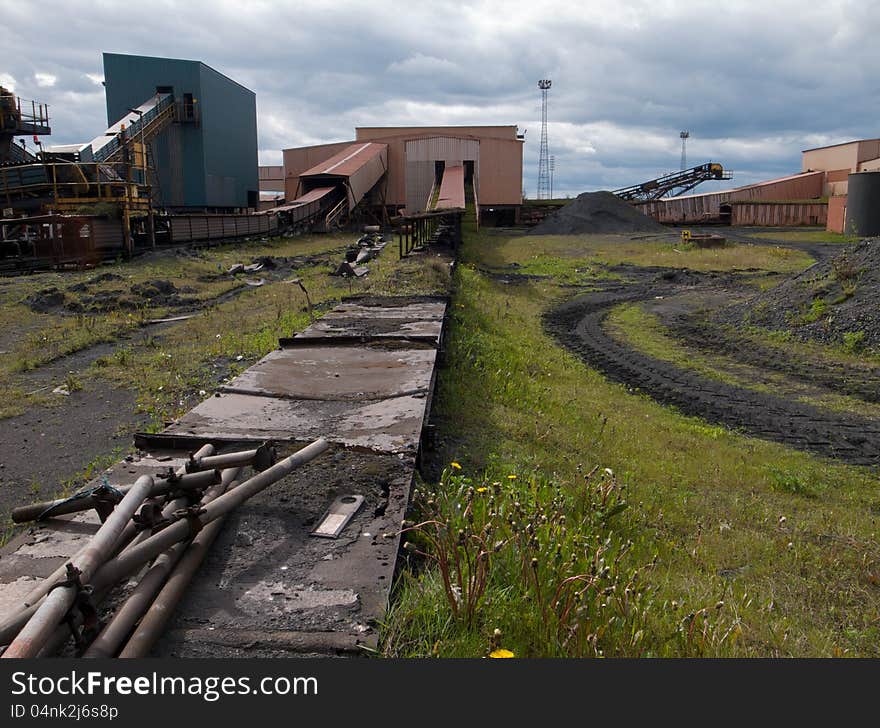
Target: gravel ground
point(835, 297)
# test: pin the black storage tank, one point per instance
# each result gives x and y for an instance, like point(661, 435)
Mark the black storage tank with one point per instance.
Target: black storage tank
point(863, 204)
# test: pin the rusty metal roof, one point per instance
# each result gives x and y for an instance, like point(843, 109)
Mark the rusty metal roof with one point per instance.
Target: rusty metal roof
point(311, 196)
point(348, 161)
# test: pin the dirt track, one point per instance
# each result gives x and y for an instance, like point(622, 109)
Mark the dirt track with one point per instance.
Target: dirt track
point(578, 325)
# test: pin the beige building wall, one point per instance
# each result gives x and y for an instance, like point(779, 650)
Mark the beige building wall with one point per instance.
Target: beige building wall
point(499, 180)
point(498, 167)
point(841, 156)
point(271, 178)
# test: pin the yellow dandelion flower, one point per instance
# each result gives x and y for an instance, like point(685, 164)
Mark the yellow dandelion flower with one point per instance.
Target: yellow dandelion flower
point(511, 477)
point(501, 653)
point(456, 465)
point(482, 490)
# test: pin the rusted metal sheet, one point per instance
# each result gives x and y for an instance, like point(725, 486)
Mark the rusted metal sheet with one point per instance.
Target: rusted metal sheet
point(778, 214)
point(359, 167)
point(698, 208)
point(836, 214)
point(389, 425)
point(451, 194)
point(275, 580)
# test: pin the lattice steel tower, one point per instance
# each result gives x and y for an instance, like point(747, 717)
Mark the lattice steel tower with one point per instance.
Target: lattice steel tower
point(544, 155)
point(684, 137)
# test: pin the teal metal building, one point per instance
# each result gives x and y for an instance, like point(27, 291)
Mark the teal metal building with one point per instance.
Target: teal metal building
point(207, 158)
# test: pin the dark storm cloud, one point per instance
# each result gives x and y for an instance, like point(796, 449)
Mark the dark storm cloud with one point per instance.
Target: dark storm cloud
point(754, 82)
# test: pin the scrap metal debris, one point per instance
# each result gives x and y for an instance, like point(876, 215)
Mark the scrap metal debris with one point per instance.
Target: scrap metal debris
point(367, 247)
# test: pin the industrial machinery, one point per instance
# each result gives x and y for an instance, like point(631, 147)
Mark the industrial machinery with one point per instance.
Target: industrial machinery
point(108, 179)
point(20, 118)
point(675, 183)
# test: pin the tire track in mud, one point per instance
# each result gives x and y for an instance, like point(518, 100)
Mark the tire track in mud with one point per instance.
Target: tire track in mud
point(863, 383)
point(578, 325)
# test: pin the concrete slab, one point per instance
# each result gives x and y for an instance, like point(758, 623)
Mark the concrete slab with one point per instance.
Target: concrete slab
point(423, 320)
point(378, 329)
point(338, 373)
point(267, 588)
point(266, 574)
point(389, 425)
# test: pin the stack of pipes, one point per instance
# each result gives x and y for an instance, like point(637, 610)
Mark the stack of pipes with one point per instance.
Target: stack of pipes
point(164, 542)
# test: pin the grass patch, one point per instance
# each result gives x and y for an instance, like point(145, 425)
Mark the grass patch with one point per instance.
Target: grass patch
point(197, 355)
point(764, 570)
point(806, 236)
point(609, 250)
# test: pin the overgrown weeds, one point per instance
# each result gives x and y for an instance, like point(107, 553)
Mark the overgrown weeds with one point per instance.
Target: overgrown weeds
point(548, 566)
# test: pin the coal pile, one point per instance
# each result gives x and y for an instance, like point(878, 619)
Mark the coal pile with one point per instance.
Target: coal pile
point(832, 302)
point(597, 212)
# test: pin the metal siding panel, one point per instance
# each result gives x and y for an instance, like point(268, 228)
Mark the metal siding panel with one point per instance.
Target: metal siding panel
point(367, 175)
point(836, 214)
point(420, 157)
point(228, 121)
point(129, 81)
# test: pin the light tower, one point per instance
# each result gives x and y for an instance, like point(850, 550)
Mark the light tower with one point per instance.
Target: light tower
point(544, 154)
point(684, 137)
point(552, 170)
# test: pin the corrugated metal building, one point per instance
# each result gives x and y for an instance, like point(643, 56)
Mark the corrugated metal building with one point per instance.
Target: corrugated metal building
point(838, 162)
point(272, 178)
point(716, 206)
point(491, 157)
point(208, 157)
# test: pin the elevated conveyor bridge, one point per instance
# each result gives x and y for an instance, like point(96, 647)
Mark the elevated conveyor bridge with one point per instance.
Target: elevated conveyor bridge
point(675, 183)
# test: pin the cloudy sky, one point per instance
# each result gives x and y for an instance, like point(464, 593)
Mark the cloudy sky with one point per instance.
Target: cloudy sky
point(754, 82)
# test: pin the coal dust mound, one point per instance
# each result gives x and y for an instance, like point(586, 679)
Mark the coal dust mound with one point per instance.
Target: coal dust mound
point(832, 302)
point(597, 212)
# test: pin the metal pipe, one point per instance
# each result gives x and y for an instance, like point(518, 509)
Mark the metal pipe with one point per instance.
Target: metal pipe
point(126, 562)
point(119, 627)
point(57, 603)
point(10, 626)
point(62, 632)
point(64, 506)
point(131, 533)
point(261, 458)
point(160, 611)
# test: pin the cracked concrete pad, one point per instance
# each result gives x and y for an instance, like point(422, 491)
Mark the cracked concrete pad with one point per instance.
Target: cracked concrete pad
point(380, 322)
point(294, 597)
point(337, 373)
point(389, 425)
point(13, 593)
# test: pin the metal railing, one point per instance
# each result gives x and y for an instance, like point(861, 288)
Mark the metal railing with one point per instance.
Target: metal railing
point(140, 127)
point(416, 232)
point(22, 112)
point(68, 181)
point(338, 211)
